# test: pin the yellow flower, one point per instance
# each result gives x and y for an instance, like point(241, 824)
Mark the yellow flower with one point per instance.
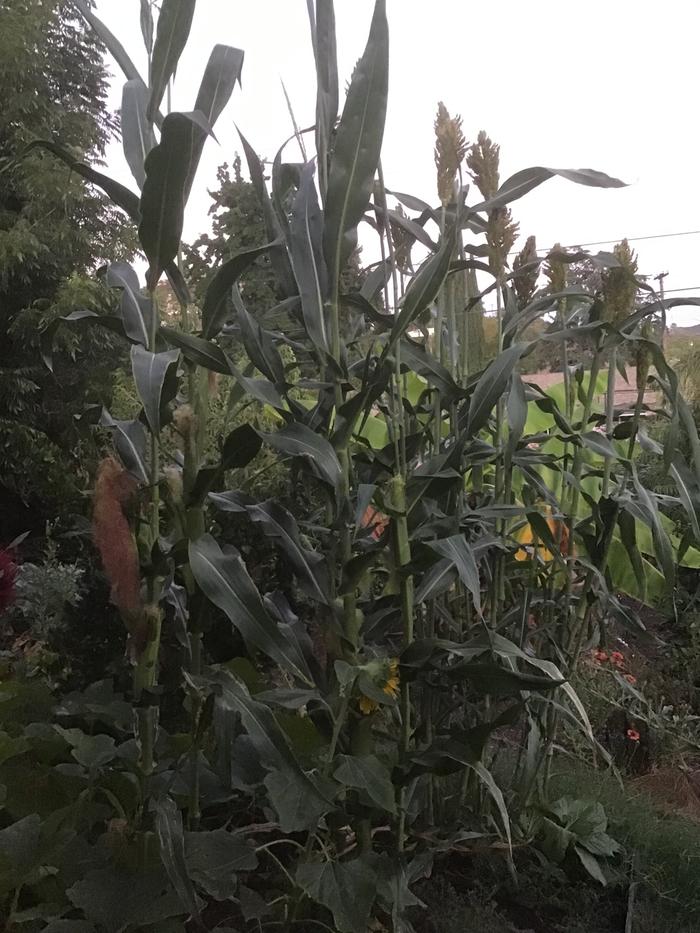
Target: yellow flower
point(385, 674)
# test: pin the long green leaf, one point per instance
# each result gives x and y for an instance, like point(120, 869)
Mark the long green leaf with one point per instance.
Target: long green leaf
point(216, 298)
point(527, 179)
point(137, 131)
point(118, 193)
point(297, 440)
point(325, 53)
point(136, 310)
point(224, 580)
point(223, 70)
point(150, 371)
point(130, 441)
point(305, 231)
point(491, 386)
point(174, 23)
point(357, 147)
point(170, 170)
point(457, 550)
point(171, 840)
point(202, 352)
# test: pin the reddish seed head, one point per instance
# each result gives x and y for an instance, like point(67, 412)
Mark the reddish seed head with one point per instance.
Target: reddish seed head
point(113, 490)
point(633, 735)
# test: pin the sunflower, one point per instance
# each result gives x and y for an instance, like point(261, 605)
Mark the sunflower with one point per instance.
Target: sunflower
point(383, 674)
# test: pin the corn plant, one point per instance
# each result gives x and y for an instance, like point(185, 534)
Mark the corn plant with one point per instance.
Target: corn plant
point(464, 532)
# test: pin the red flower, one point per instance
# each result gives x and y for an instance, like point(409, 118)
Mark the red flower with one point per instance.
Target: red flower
point(630, 678)
point(618, 658)
point(8, 575)
point(633, 735)
point(600, 655)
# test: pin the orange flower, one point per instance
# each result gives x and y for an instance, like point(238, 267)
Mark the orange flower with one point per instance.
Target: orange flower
point(527, 536)
point(633, 735)
point(600, 655)
point(630, 678)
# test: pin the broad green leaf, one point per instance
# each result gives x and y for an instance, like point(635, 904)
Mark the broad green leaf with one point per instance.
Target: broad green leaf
point(270, 741)
point(118, 193)
point(357, 147)
point(647, 509)
point(91, 751)
point(590, 863)
point(347, 889)
point(137, 310)
point(491, 386)
point(600, 444)
point(628, 536)
point(220, 76)
point(439, 578)
point(137, 131)
point(297, 440)
point(171, 842)
point(367, 773)
point(527, 179)
point(516, 410)
point(214, 857)
point(174, 23)
point(130, 441)
point(688, 492)
point(459, 552)
point(224, 580)
point(117, 900)
point(149, 372)
point(305, 230)
point(218, 292)
point(202, 352)
point(298, 809)
point(170, 171)
point(310, 566)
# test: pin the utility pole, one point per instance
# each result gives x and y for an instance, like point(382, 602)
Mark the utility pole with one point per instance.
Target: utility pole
point(660, 279)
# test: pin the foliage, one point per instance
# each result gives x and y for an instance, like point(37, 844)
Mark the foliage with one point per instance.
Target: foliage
point(453, 539)
point(52, 234)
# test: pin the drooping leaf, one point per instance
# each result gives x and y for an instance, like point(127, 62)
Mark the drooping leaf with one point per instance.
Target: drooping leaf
point(357, 147)
point(225, 581)
point(516, 409)
point(420, 361)
point(215, 307)
point(202, 352)
point(137, 131)
point(149, 371)
point(457, 549)
point(130, 440)
point(171, 841)
point(118, 193)
point(170, 171)
point(297, 440)
point(439, 578)
point(368, 774)
point(490, 387)
point(309, 266)
point(223, 70)
point(628, 536)
point(137, 310)
point(309, 565)
point(270, 741)
point(347, 889)
point(259, 346)
point(240, 447)
point(662, 544)
point(174, 23)
point(527, 179)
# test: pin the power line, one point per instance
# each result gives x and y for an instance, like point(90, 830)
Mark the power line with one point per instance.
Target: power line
point(630, 239)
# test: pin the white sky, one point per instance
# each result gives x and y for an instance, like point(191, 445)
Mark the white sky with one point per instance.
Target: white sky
point(606, 84)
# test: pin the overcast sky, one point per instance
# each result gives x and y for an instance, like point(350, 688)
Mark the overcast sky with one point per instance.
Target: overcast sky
point(605, 84)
